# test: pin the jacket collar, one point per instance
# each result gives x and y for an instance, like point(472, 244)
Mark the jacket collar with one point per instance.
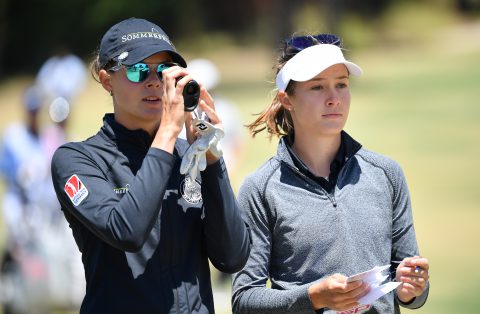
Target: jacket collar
point(120, 134)
point(348, 148)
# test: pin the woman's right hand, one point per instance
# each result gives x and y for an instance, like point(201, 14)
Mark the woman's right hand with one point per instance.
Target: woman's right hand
point(335, 293)
point(173, 113)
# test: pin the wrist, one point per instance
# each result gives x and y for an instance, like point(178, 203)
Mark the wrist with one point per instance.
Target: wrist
point(165, 139)
point(211, 158)
point(405, 299)
point(313, 295)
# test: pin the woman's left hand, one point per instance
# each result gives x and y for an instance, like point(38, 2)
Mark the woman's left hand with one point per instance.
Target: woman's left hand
point(207, 105)
point(413, 273)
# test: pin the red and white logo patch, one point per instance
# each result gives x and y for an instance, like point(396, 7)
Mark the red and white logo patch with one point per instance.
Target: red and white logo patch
point(76, 190)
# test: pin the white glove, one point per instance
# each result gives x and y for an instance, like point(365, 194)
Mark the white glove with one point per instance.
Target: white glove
point(195, 159)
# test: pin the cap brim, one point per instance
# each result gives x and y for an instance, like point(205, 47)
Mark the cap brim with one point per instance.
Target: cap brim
point(143, 52)
point(311, 61)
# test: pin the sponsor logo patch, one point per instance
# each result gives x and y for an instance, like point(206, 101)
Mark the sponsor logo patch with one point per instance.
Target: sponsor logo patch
point(200, 126)
point(122, 190)
point(191, 190)
point(76, 190)
point(356, 310)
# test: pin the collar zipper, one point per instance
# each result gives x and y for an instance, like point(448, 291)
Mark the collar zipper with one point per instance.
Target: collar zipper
point(331, 196)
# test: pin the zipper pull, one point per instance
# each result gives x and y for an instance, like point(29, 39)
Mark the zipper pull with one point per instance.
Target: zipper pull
point(334, 202)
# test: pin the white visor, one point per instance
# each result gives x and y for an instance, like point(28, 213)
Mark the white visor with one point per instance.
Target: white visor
point(311, 61)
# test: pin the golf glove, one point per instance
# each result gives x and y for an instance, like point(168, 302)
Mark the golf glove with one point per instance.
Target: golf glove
point(209, 138)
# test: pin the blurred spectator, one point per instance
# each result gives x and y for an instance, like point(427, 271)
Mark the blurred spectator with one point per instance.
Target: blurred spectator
point(24, 168)
point(60, 250)
point(40, 252)
point(61, 79)
point(62, 75)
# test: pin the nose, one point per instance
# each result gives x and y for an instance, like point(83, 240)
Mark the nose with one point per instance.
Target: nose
point(153, 80)
point(333, 98)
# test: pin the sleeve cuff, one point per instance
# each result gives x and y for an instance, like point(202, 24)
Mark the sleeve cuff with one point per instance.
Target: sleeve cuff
point(216, 170)
point(305, 303)
point(160, 153)
point(319, 311)
point(416, 302)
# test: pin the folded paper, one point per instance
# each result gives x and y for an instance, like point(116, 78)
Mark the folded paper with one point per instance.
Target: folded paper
point(376, 280)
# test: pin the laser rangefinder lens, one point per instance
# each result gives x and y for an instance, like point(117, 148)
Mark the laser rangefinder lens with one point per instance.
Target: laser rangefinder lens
point(191, 95)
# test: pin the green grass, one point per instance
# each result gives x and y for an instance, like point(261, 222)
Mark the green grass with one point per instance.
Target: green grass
point(419, 106)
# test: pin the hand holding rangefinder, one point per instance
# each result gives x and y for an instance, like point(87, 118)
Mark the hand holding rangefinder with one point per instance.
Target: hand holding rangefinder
point(191, 91)
point(191, 95)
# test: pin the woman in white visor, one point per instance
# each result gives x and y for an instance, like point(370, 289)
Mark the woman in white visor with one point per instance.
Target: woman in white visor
point(324, 208)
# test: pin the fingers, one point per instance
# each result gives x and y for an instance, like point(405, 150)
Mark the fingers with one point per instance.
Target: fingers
point(414, 282)
point(360, 291)
point(172, 115)
point(415, 267)
point(407, 291)
point(335, 293)
point(413, 272)
point(422, 262)
point(174, 80)
point(202, 162)
point(207, 105)
point(207, 98)
point(190, 131)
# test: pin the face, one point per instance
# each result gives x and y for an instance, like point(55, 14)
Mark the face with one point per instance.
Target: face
point(320, 106)
point(137, 105)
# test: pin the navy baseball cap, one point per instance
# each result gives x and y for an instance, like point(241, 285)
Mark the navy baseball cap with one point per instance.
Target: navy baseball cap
point(132, 40)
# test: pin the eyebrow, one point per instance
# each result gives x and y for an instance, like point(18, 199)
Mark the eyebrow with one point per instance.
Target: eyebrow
point(337, 78)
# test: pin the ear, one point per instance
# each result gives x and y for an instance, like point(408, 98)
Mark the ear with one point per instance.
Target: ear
point(106, 80)
point(285, 101)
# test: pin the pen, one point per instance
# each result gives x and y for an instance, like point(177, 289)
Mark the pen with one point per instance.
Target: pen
point(417, 268)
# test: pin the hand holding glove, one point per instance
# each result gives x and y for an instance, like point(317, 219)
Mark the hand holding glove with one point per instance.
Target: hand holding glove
point(209, 138)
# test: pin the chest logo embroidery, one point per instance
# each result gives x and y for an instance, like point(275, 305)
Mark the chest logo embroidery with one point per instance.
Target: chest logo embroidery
point(75, 190)
point(191, 190)
point(122, 190)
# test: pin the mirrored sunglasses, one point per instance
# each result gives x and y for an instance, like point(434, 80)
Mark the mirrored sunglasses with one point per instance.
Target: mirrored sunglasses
point(302, 42)
point(140, 71)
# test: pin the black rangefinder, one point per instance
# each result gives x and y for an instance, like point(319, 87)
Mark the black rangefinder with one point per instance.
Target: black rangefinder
point(191, 95)
point(191, 91)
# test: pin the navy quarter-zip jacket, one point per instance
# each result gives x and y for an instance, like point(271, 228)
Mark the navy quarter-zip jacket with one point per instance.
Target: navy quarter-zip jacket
point(146, 232)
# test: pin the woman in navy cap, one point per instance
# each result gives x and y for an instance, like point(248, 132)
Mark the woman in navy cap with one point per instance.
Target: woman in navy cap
point(147, 232)
point(324, 208)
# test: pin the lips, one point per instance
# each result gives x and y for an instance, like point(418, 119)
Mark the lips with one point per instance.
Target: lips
point(151, 98)
point(331, 115)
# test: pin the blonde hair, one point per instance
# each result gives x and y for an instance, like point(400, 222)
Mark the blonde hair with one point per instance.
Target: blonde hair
point(95, 65)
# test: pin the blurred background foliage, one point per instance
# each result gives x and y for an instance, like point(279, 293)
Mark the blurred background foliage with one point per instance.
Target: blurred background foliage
point(30, 30)
point(418, 101)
